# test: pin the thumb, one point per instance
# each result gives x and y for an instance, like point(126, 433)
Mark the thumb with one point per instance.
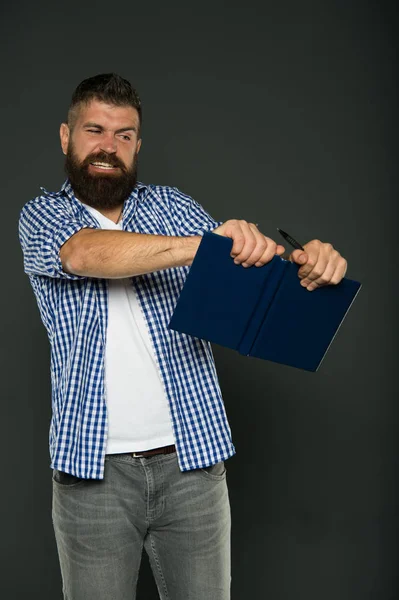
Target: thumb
point(299, 256)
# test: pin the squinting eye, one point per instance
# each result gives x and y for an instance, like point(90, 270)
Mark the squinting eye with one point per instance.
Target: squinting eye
point(93, 130)
point(126, 137)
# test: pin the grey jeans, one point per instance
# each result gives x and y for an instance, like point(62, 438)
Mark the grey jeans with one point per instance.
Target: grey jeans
point(181, 519)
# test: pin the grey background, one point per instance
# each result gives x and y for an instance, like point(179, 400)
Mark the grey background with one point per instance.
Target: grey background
point(279, 113)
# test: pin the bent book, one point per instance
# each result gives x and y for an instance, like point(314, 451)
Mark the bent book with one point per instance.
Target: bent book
point(262, 312)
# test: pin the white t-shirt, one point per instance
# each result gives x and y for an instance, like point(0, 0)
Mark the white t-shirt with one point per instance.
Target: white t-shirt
point(138, 410)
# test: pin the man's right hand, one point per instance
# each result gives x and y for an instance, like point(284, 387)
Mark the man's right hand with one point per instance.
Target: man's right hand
point(250, 246)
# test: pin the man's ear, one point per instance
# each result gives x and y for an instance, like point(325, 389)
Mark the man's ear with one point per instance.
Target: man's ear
point(138, 146)
point(64, 137)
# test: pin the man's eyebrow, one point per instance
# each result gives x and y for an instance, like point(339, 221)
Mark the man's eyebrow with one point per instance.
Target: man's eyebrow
point(92, 124)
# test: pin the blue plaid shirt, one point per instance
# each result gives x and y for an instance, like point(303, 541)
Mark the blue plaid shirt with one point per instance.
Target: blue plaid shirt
point(74, 310)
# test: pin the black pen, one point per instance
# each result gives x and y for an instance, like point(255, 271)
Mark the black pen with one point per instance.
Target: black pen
point(290, 240)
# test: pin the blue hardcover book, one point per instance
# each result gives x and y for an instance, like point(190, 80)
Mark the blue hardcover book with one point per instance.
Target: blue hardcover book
point(259, 311)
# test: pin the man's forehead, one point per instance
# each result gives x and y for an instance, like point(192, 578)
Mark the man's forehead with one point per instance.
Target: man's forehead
point(103, 112)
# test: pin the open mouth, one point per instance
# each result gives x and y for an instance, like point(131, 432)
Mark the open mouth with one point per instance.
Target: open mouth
point(102, 166)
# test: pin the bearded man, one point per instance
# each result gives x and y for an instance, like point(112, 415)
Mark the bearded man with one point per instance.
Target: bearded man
point(139, 434)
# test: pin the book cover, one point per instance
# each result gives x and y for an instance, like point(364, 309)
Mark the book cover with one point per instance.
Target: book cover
point(262, 312)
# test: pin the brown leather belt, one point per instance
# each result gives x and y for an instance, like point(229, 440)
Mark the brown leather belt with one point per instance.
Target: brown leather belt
point(145, 453)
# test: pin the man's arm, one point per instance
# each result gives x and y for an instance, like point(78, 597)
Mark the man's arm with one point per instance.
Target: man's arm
point(112, 254)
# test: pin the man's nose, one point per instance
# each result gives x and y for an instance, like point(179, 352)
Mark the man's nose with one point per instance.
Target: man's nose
point(108, 143)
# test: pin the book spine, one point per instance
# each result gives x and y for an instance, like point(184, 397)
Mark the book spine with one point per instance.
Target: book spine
point(259, 313)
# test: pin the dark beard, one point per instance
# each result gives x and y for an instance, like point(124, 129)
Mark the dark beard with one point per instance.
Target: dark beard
point(100, 191)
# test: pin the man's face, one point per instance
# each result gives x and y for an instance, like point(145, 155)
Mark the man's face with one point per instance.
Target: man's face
point(108, 135)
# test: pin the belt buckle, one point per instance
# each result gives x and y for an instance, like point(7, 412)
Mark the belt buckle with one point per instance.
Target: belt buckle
point(137, 455)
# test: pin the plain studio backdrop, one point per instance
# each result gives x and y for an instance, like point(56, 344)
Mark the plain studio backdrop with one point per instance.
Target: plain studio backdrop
point(279, 113)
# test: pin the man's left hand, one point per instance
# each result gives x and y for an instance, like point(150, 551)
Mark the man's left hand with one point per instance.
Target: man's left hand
point(320, 264)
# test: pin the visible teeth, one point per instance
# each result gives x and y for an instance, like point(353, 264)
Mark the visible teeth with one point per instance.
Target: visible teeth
point(105, 165)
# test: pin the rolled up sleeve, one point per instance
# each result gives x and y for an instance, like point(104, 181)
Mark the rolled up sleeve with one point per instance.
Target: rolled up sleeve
point(43, 229)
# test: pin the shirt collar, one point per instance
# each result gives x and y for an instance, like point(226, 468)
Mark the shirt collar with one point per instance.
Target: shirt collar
point(138, 194)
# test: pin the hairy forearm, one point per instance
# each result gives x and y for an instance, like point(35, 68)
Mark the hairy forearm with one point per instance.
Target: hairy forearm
point(115, 254)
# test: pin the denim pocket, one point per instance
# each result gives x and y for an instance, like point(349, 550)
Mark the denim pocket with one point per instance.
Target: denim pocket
point(65, 479)
point(216, 471)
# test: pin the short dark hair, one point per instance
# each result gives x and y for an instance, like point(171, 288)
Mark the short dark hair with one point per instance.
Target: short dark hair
point(106, 87)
